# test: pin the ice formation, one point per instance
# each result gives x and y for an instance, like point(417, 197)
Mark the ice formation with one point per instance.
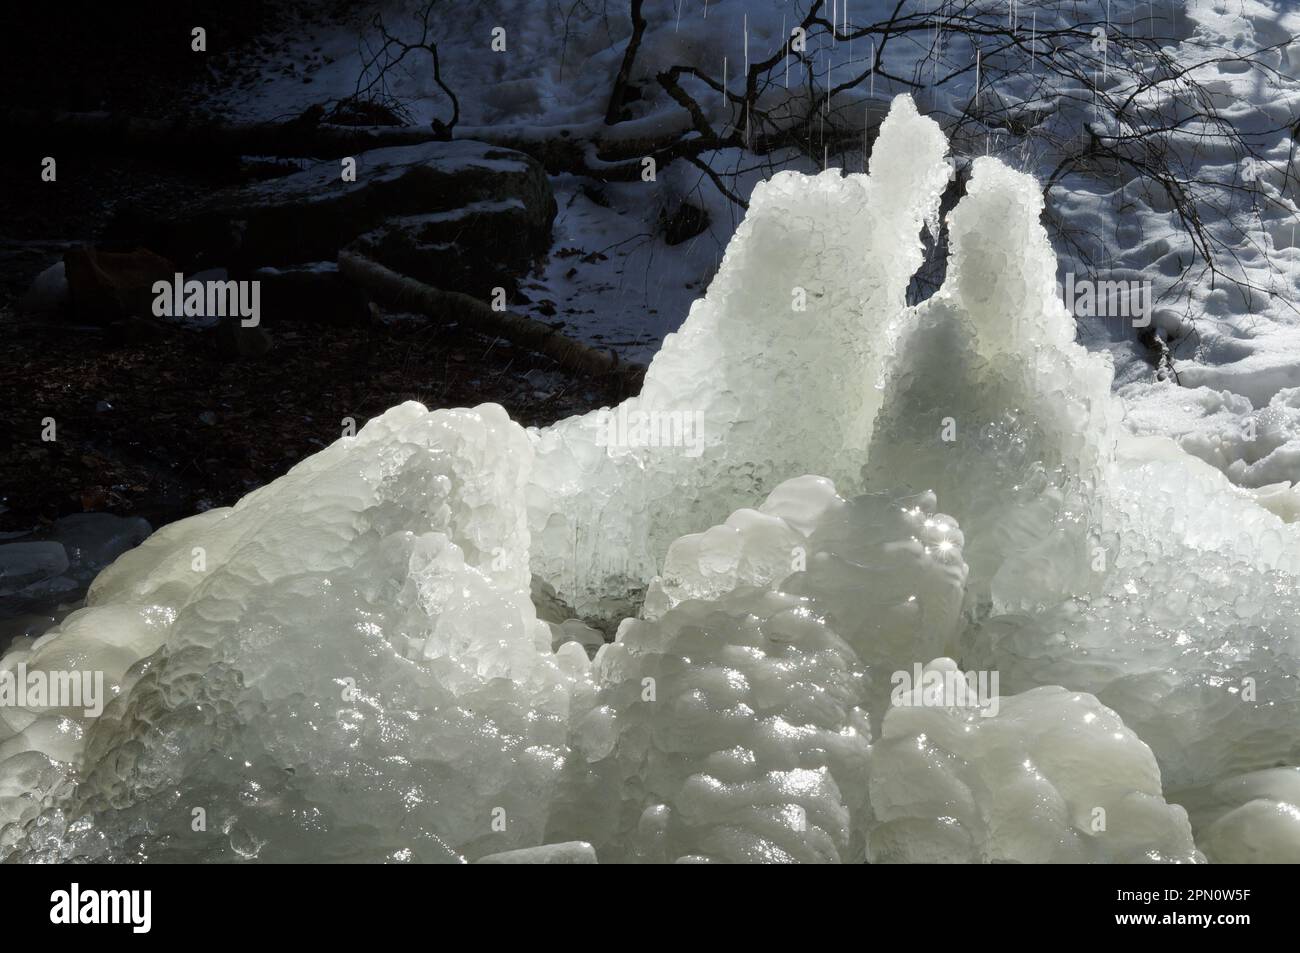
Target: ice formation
point(370, 658)
point(951, 786)
point(780, 391)
point(1249, 818)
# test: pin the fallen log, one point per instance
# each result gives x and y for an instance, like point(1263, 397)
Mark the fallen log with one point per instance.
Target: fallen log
point(109, 134)
point(398, 292)
point(577, 150)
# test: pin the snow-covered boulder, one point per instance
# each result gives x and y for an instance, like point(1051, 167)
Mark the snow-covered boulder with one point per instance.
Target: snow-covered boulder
point(309, 215)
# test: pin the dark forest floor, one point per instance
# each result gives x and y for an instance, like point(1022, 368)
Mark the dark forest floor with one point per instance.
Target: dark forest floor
point(169, 427)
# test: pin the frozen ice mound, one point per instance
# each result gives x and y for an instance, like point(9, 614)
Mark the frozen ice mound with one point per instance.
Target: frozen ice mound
point(777, 391)
point(1053, 777)
point(384, 655)
point(736, 735)
point(1250, 818)
point(1118, 566)
point(734, 719)
point(350, 649)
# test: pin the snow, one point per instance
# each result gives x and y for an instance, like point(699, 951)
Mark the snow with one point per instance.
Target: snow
point(350, 663)
point(1256, 449)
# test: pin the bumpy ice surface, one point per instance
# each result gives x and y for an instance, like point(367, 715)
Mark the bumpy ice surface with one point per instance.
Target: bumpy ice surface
point(351, 663)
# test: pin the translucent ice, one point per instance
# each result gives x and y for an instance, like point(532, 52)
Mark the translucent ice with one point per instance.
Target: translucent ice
point(350, 650)
point(1249, 818)
point(734, 726)
point(571, 852)
point(778, 363)
point(387, 653)
point(1053, 777)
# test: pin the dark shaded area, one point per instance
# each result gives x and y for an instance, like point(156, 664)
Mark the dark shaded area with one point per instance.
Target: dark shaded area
point(168, 427)
point(160, 421)
point(123, 56)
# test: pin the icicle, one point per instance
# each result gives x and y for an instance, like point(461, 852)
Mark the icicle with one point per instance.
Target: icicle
point(866, 125)
point(786, 34)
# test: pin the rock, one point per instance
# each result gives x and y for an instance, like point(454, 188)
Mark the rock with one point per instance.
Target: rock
point(361, 112)
point(310, 215)
point(685, 223)
point(105, 286)
point(93, 540)
point(45, 574)
point(316, 290)
point(135, 330)
point(569, 852)
point(48, 591)
point(550, 607)
point(269, 167)
point(48, 292)
point(236, 342)
point(471, 249)
point(26, 564)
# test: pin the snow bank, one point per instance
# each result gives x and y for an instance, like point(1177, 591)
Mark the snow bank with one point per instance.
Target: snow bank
point(349, 664)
